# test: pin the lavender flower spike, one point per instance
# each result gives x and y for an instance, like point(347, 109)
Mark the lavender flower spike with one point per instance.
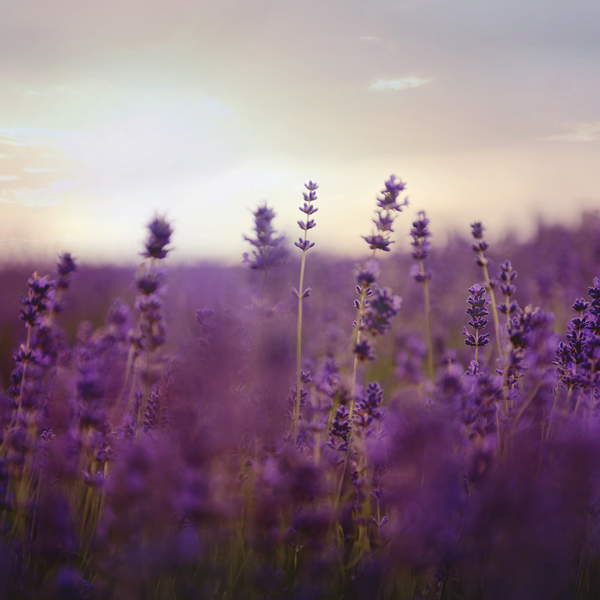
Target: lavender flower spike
point(421, 248)
point(159, 238)
point(478, 301)
point(388, 205)
point(269, 251)
point(304, 244)
point(480, 246)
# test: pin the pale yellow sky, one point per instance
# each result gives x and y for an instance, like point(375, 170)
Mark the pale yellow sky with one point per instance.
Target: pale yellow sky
point(113, 110)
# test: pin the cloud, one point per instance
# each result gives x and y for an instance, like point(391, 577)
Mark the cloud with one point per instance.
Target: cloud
point(580, 132)
point(393, 85)
point(6, 141)
point(39, 197)
point(369, 38)
point(37, 172)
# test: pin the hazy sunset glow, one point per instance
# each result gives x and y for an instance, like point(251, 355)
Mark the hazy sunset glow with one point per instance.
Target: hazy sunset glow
point(112, 111)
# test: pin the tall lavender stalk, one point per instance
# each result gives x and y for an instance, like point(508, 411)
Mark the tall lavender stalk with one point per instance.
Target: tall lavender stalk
point(305, 245)
point(480, 246)
point(268, 253)
point(421, 245)
point(387, 204)
point(150, 333)
point(373, 316)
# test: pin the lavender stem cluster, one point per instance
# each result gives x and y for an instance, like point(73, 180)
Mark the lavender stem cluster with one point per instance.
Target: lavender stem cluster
point(477, 482)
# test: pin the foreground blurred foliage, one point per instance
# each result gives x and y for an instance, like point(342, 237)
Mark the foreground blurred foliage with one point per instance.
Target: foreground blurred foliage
point(159, 446)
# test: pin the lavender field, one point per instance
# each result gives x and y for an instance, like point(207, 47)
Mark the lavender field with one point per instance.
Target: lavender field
point(398, 426)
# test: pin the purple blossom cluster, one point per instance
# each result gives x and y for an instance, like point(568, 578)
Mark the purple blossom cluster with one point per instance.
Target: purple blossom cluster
point(153, 449)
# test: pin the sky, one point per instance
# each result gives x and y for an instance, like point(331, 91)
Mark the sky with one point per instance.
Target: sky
point(112, 111)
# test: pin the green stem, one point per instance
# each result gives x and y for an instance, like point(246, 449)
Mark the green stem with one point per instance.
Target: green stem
point(28, 344)
point(427, 322)
point(361, 307)
point(299, 345)
point(486, 277)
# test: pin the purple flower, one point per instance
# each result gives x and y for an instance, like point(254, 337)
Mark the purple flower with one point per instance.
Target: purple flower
point(384, 221)
point(148, 279)
point(340, 428)
point(389, 197)
point(420, 233)
point(478, 300)
point(388, 204)
point(418, 275)
point(38, 300)
point(304, 244)
point(477, 230)
point(364, 350)
point(64, 267)
point(368, 408)
point(506, 277)
point(410, 360)
point(307, 209)
point(367, 276)
point(378, 242)
point(382, 306)
point(269, 250)
point(160, 235)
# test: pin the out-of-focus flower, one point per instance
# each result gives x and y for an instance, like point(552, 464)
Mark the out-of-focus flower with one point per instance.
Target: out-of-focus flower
point(383, 305)
point(420, 234)
point(388, 205)
point(269, 252)
point(159, 238)
point(64, 267)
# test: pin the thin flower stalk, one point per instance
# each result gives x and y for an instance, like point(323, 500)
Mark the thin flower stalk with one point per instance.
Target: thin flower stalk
point(304, 244)
point(373, 316)
point(480, 246)
point(268, 253)
point(421, 248)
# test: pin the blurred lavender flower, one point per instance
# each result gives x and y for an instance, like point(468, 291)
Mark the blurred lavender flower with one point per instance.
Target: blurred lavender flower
point(148, 279)
point(388, 203)
point(480, 246)
point(507, 276)
point(38, 300)
point(64, 267)
point(153, 412)
point(364, 351)
point(421, 246)
point(409, 360)
point(368, 408)
point(380, 308)
point(159, 238)
point(270, 251)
